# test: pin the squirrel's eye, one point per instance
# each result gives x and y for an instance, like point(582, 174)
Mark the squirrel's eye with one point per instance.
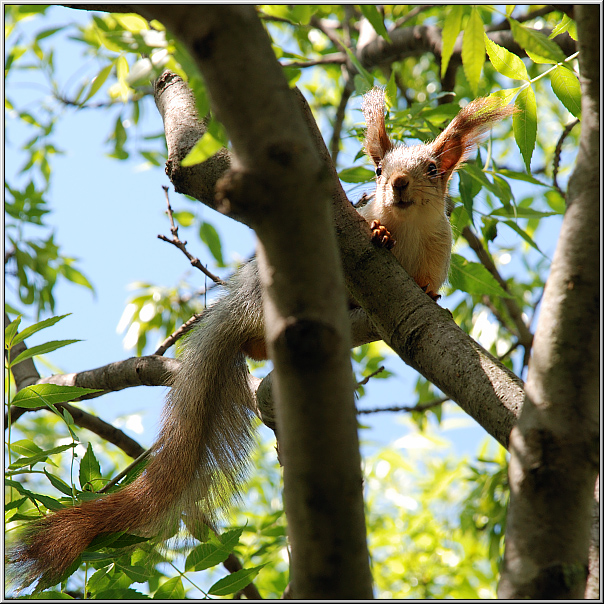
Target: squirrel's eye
point(378, 171)
point(432, 170)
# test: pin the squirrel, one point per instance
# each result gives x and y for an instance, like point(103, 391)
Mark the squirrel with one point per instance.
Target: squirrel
point(199, 459)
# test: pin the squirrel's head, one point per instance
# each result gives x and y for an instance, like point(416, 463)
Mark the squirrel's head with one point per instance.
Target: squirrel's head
point(419, 175)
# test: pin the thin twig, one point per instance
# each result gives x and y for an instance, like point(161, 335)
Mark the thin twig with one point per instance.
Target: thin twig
point(412, 13)
point(418, 408)
point(558, 152)
point(181, 245)
point(340, 115)
point(125, 471)
point(337, 58)
point(176, 335)
point(366, 379)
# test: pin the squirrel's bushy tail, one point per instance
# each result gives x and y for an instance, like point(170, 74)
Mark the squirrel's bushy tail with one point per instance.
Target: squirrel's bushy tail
point(198, 459)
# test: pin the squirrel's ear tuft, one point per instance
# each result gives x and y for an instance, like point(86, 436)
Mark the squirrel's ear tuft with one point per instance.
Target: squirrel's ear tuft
point(467, 130)
point(377, 143)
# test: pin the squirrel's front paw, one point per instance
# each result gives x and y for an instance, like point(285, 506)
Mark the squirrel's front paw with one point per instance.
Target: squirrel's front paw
point(436, 297)
point(380, 235)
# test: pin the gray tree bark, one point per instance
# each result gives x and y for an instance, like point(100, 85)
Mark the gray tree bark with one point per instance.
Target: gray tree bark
point(278, 184)
point(555, 445)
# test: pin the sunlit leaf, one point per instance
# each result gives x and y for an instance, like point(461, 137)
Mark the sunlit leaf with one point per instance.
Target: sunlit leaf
point(566, 87)
point(504, 61)
point(473, 278)
point(31, 396)
point(473, 50)
point(525, 124)
point(451, 30)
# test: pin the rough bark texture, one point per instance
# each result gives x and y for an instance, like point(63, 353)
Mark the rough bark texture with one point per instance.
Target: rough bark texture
point(183, 129)
point(277, 183)
point(555, 446)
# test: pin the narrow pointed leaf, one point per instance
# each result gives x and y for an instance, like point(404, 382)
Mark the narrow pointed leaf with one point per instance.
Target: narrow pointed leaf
point(28, 331)
point(525, 124)
point(234, 582)
point(41, 349)
point(451, 30)
point(472, 50)
point(566, 87)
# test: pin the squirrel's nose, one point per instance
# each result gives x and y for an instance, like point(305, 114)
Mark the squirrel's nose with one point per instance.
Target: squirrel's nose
point(400, 182)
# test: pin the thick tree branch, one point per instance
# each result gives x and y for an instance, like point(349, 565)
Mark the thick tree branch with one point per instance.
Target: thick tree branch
point(555, 446)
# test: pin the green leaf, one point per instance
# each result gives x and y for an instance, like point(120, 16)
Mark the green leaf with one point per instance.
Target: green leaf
point(519, 212)
point(473, 278)
point(38, 457)
point(535, 42)
point(209, 235)
point(468, 188)
point(90, 470)
point(75, 276)
point(374, 17)
point(98, 81)
point(184, 218)
point(229, 539)
point(203, 149)
point(235, 581)
point(521, 176)
point(131, 22)
point(59, 484)
point(205, 556)
point(41, 349)
point(525, 124)
point(16, 504)
point(368, 77)
point(292, 75)
point(50, 595)
point(172, 589)
point(566, 87)
point(10, 330)
point(126, 540)
point(450, 31)
point(473, 50)
point(121, 594)
point(356, 174)
point(505, 62)
point(139, 574)
point(523, 234)
point(390, 91)
point(28, 331)
point(30, 397)
point(47, 32)
point(25, 447)
point(568, 25)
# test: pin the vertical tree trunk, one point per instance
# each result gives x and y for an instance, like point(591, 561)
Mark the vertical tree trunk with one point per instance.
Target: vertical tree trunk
point(555, 446)
point(279, 185)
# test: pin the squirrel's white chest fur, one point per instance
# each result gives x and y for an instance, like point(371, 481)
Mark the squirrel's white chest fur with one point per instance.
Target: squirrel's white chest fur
point(411, 205)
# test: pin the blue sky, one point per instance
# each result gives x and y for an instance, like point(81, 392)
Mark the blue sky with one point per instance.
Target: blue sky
point(108, 214)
